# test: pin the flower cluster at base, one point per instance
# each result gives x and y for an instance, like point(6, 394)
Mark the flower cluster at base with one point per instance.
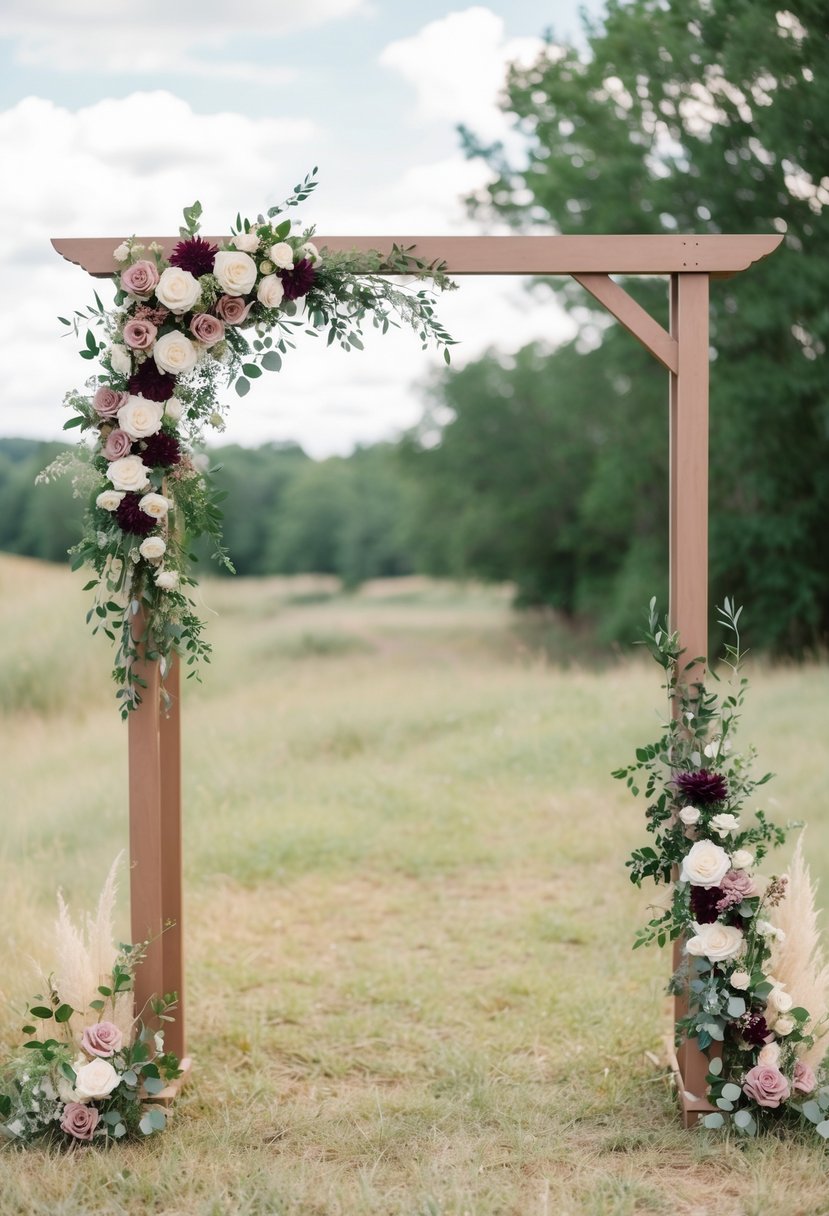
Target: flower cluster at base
point(751, 964)
point(181, 327)
point(91, 1073)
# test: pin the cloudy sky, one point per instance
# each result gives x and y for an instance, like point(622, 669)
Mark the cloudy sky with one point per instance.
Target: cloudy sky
point(110, 123)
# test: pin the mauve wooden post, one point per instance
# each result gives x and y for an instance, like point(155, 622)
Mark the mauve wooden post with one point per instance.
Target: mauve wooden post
point(689, 555)
point(171, 859)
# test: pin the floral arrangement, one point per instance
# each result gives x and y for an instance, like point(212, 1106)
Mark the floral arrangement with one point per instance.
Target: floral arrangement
point(181, 328)
point(88, 1070)
point(751, 964)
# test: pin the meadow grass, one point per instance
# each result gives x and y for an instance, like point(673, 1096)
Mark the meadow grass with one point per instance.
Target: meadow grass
point(411, 989)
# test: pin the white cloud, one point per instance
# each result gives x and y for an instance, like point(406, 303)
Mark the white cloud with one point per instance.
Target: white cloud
point(182, 39)
point(457, 66)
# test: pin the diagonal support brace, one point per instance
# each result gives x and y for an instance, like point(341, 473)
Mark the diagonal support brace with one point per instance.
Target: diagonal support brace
point(635, 319)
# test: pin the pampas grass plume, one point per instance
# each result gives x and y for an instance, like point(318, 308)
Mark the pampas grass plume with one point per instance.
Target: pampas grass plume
point(799, 961)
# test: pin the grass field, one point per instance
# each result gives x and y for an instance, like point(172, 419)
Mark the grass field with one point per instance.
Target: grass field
point(410, 979)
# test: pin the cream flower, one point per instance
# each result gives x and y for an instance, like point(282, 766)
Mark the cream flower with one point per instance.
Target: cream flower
point(742, 859)
point(173, 409)
point(282, 255)
point(121, 252)
point(167, 580)
point(140, 417)
point(246, 242)
point(155, 505)
point(769, 1054)
point(784, 1026)
point(716, 942)
point(780, 1000)
point(311, 252)
point(235, 271)
point(175, 353)
point(723, 825)
point(128, 473)
point(177, 290)
point(739, 980)
point(152, 548)
point(270, 291)
point(109, 500)
point(689, 816)
point(705, 864)
point(119, 360)
point(95, 1080)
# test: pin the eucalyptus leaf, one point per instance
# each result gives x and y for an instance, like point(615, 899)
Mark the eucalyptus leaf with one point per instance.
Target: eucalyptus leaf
point(715, 1066)
point(731, 1092)
point(713, 1121)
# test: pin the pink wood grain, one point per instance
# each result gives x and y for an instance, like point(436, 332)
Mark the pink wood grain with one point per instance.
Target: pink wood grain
point(169, 735)
point(718, 255)
point(632, 316)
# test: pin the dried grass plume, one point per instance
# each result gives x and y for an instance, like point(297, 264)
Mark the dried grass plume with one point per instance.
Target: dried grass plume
point(799, 961)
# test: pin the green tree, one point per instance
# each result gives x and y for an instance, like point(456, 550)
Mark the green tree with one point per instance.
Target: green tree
point(708, 116)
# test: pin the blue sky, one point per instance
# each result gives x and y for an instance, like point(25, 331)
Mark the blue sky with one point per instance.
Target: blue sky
point(112, 119)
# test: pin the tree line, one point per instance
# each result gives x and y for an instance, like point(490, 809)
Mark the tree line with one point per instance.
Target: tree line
point(548, 468)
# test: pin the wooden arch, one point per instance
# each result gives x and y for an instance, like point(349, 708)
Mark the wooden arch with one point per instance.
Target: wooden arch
point(689, 262)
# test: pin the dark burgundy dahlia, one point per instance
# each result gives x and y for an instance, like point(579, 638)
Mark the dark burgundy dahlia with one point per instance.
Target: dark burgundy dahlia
point(195, 255)
point(754, 1030)
point(151, 383)
point(161, 451)
point(299, 281)
point(702, 787)
point(131, 518)
point(704, 902)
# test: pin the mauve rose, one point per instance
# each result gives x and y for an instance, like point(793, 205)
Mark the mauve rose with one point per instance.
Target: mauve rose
point(79, 1120)
point(140, 279)
point(102, 1039)
point(107, 402)
point(139, 335)
point(233, 309)
point(804, 1077)
point(736, 886)
point(118, 444)
point(766, 1085)
point(208, 330)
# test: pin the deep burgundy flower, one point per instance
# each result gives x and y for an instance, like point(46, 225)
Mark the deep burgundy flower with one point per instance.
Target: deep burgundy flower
point(195, 255)
point(161, 450)
point(148, 381)
point(754, 1030)
point(131, 518)
point(702, 786)
point(704, 902)
point(299, 281)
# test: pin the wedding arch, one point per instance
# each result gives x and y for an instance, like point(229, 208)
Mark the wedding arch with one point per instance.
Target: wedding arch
point(690, 263)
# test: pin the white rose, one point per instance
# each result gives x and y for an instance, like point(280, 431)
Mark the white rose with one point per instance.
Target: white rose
point(128, 473)
point(109, 500)
point(739, 980)
point(705, 864)
point(166, 579)
point(173, 409)
point(689, 816)
point(140, 417)
point(766, 929)
point(311, 252)
point(96, 1080)
point(270, 291)
point(769, 1055)
point(282, 255)
point(780, 1000)
point(177, 289)
point(784, 1026)
point(121, 252)
point(175, 353)
point(742, 859)
point(235, 271)
point(724, 824)
point(247, 242)
point(155, 505)
point(716, 942)
point(152, 548)
point(119, 360)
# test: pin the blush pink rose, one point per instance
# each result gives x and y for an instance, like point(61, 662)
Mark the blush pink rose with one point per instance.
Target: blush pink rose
point(140, 279)
point(233, 309)
point(107, 402)
point(102, 1039)
point(79, 1120)
point(736, 886)
point(766, 1085)
point(139, 335)
point(118, 444)
point(804, 1077)
point(206, 329)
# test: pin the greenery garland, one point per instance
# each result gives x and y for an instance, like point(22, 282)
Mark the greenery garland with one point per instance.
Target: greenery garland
point(744, 989)
point(181, 328)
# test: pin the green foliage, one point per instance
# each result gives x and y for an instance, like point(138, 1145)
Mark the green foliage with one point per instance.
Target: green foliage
point(701, 117)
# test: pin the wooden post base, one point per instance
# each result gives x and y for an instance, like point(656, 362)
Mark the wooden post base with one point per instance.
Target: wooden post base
point(169, 1094)
point(693, 1105)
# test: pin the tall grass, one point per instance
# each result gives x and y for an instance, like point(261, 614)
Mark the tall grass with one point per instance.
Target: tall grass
point(411, 988)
